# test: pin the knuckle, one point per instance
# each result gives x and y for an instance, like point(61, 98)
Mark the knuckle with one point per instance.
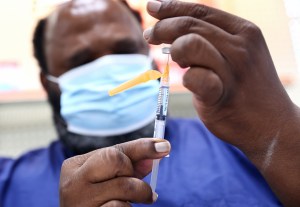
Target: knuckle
point(145, 144)
point(191, 42)
point(247, 46)
point(65, 186)
point(181, 49)
point(200, 10)
point(65, 165)
point(69, 177)
point(240, 58)
point(68, 167)
point(135, 188)
point(253, 28)
point(115, 156)
point(186, 23)
point(186, 79)
point(212, 82)
point(252, 31)
point(79, 160)
point(157, 29)
point(130, 186)
point(190, 79)
point(172, 5)
point(118, 148)
point(244, 55)
point(117, 159)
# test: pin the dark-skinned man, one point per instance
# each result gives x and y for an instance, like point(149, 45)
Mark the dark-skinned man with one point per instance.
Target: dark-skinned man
point(237, 94)
point(88, 46)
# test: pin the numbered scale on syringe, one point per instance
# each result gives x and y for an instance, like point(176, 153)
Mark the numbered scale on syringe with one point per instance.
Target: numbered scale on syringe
point(162, 108)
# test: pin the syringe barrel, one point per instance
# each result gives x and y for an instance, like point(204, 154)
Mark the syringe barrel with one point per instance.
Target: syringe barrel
point(159, 129)
point(163, 101)
point(160, 121)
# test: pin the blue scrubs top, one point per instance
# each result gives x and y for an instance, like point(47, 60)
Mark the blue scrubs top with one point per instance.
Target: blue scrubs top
point(201, 171)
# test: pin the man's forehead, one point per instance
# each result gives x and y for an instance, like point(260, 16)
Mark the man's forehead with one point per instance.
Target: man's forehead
point(82, 7)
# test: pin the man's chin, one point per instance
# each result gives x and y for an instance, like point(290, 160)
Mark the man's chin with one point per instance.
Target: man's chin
point(80, 144)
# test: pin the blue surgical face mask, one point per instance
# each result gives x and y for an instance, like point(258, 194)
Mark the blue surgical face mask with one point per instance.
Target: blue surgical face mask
point(89, 110)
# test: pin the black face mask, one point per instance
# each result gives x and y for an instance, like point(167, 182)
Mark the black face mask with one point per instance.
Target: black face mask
point(80, 144)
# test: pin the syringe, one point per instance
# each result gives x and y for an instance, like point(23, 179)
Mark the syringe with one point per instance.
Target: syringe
point(161, 115)
point(162, 104)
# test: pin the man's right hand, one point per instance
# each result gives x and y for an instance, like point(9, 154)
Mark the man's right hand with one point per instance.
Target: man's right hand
point(237, 92)
point(111, 176)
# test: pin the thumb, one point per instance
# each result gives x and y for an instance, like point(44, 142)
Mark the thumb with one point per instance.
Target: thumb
point(141, 152)
point(205, 84)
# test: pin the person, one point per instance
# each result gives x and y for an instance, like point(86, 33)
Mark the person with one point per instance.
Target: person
point(239, 98)
point(86, 47)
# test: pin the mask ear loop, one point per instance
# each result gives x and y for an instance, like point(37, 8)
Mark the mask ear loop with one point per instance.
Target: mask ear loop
point(52, 79)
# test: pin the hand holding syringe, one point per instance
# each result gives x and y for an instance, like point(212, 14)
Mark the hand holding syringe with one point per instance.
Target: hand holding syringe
point(162, 104)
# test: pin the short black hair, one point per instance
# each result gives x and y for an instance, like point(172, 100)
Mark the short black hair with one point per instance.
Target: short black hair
point(38, 44)
point(39, 38)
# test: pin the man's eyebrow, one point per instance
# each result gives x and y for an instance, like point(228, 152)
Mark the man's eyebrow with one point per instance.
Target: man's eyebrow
point(79, 58)
point(125, 46)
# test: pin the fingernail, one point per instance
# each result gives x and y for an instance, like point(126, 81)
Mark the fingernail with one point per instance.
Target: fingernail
point(147, 33)
point(153, 6)
point(162, 146)
point(154, 196)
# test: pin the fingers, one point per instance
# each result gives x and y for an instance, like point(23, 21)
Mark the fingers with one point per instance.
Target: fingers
point(116, 204)
point(205, 84)
point(107, 176)
point(168, 30)
point(147, 148)
point(194, 50)
point(141, 152)
point(121, 159)
point(123, 189)
point(167, 9)
point(72, 164)
point(119, 165)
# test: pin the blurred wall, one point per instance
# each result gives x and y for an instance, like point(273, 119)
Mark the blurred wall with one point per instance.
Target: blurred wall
point(17, 65)
point(271, 17)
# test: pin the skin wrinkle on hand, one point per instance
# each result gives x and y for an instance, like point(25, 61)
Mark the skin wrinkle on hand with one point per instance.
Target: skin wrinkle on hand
point(270, 151)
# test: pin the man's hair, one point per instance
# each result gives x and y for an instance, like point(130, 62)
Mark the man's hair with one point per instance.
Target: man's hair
point(38, 44)
point(39, 38)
